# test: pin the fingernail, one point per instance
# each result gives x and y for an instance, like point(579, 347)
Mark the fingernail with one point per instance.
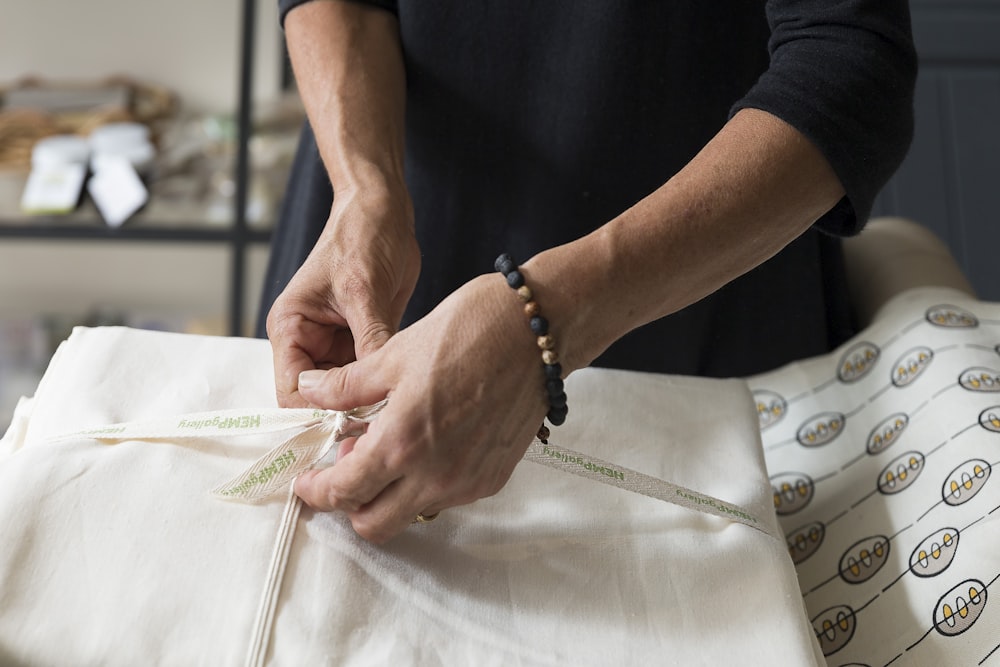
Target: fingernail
point(299, 481)
point(303, 480)
point(310, 379)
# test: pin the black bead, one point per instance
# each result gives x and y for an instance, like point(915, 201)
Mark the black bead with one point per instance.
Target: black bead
point(554, 386)
point(557, 416)
point(558, 401)
point(503, 262)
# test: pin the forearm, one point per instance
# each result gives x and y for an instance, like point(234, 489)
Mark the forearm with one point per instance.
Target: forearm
point(348, 65)
point(348, 296)
point(753, 189)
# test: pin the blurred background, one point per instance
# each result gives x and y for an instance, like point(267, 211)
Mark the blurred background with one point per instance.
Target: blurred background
point(196, 98)
point(144, 147)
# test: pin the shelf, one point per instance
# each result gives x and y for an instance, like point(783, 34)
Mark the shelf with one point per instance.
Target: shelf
point(145, 232)
point(170, 215)
point(160, 220)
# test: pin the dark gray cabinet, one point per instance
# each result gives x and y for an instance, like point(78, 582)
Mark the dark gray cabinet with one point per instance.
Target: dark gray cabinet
point(950, 181)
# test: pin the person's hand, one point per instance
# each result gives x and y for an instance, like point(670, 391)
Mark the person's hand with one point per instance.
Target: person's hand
point(348, 297)
point(466, 396)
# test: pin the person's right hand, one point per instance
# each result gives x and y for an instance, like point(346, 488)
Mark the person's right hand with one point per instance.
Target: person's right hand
point(348, 297)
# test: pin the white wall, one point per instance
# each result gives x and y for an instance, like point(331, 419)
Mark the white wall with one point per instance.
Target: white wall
point(189, 46)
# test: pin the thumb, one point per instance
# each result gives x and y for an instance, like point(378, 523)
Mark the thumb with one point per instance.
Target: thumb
point(371, 331)
point(342, 388)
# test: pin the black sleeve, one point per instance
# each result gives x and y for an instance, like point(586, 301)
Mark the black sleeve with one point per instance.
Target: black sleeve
point(285, 6)
point(842, 72)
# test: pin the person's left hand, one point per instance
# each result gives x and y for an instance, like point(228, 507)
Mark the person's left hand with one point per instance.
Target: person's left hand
point(466, 396)
point(349, 295)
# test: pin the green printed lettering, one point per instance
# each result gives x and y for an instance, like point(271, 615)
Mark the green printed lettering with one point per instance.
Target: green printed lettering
point(243, 422)
point(107, 430)
point(711, 503)
point(589, 466)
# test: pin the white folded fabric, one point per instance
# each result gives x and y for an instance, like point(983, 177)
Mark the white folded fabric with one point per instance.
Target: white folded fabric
point(116, 554)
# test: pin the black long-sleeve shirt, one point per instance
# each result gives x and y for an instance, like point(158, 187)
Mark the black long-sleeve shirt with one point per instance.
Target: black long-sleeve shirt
point(529, 124)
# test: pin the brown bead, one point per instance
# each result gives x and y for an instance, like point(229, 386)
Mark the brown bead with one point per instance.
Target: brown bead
point(546, 342)
point(543, 433)
point(532, 308)
point(524, 292)
point(550, 357)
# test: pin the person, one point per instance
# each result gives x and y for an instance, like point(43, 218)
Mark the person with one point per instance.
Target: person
point(671, 180)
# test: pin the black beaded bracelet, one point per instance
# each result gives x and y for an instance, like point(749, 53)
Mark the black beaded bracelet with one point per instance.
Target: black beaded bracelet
point(540, 327)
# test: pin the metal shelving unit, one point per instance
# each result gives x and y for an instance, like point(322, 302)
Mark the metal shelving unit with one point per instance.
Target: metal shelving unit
point(237, 235)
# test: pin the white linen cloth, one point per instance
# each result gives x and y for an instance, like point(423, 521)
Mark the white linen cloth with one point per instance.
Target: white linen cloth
point(880, 455)
point(116, 554)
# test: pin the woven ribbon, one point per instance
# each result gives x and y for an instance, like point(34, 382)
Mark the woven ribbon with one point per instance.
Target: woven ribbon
point(316, 433)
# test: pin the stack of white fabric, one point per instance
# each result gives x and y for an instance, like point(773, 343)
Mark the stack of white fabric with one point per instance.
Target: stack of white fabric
point(116, 554)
